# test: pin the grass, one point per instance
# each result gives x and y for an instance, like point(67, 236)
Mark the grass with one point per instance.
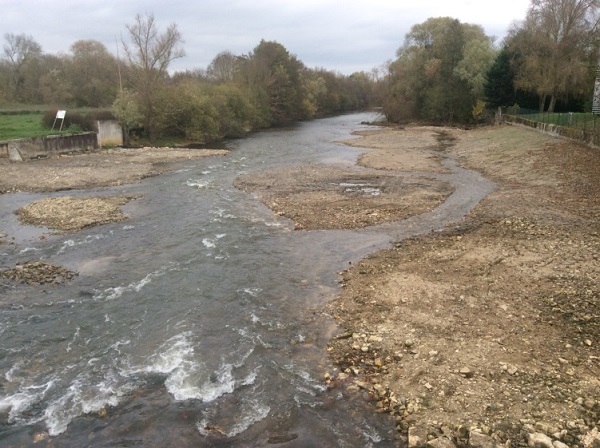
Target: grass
point(26, 125)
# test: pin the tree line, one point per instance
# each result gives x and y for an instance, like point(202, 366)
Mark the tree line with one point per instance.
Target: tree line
point(234, 95)
point(451, 72)
point(445, 72)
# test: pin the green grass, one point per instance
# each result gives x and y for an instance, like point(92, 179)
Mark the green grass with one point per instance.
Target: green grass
point(28, 125)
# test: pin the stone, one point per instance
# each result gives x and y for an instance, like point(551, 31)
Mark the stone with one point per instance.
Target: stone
point(557, 444)
point(480, 440)
point(466, 372)
point(591, 439)
point(441, 442)
point(413, 439)
point(539, 440)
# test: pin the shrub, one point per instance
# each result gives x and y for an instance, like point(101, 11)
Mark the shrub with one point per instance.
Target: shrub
point(76, 120)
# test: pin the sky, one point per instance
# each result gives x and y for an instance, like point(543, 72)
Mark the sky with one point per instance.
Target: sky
point(344, 36)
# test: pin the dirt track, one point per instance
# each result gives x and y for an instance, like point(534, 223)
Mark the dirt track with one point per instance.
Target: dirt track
point(487, 334)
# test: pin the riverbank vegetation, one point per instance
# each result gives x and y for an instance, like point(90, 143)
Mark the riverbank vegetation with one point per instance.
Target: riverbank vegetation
point(451, 72)
point(446, 72)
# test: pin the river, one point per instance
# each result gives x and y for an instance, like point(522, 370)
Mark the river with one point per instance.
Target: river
point(198, 321)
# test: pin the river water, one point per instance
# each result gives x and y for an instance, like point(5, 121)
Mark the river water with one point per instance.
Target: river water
point(198, 321)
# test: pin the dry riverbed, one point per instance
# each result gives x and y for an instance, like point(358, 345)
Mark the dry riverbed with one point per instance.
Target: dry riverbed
point(484, 335)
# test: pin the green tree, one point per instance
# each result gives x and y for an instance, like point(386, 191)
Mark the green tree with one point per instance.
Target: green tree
point(439, 73)
point(275, 78)
point(499, 88)
point(149, 55)
point(126, 109)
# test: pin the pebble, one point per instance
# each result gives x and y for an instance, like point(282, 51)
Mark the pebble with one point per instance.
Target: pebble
point(539, 440)
point(441, 442)
point(479, 440)
point(466, 372)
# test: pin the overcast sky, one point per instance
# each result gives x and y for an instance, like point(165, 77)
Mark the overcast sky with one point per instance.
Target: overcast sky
point(340, 35)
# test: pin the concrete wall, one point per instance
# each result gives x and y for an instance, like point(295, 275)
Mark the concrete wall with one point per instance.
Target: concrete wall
point(29, 148)
point(110, 133)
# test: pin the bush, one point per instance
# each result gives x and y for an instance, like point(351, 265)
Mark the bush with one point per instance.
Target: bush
point(76, 120)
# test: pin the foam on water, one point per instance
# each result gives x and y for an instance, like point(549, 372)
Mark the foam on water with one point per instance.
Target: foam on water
point(28, 249)
point(67, 244)
point(208, 243)
point(115, 292)
point(197, 183)
point(82, 398)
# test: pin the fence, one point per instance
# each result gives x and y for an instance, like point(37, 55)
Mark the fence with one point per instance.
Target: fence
point(575, 125)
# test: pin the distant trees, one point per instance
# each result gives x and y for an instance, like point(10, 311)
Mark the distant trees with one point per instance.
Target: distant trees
point(234, 95)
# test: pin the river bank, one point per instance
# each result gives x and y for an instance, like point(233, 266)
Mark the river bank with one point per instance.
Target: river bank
point(485, 334)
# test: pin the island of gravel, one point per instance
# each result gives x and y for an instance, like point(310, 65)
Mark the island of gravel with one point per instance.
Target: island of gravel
point(485, 334)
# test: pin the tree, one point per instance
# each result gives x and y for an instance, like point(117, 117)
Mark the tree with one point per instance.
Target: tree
point(275, 77)
point(439, 73)
point(553, 48)
point(20, 50)
point(125, 108)
point(224, 67)
point(150, 54)
point(92, 73)
point(499, 87)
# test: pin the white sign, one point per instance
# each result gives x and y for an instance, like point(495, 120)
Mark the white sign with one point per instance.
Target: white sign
point(60, 114)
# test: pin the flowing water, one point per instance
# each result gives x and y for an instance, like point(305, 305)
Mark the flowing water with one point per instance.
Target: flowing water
point(198, 321)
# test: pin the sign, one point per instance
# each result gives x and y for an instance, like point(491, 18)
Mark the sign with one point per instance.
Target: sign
point(60, 115)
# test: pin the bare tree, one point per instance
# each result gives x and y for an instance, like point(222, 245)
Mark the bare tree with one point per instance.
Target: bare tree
point(223, 67)
point(150, 54)
point(19, 51)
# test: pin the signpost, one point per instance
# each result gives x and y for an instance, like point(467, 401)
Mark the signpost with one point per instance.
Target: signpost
point(60, 115)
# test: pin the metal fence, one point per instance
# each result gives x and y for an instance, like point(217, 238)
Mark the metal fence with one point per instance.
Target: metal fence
point(576, 125)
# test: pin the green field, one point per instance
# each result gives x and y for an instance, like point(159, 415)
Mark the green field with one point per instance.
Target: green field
point(22, 126)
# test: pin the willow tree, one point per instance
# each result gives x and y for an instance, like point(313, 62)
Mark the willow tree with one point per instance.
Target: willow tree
point(149, 55)
point(440, 72)
point(555, 47)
